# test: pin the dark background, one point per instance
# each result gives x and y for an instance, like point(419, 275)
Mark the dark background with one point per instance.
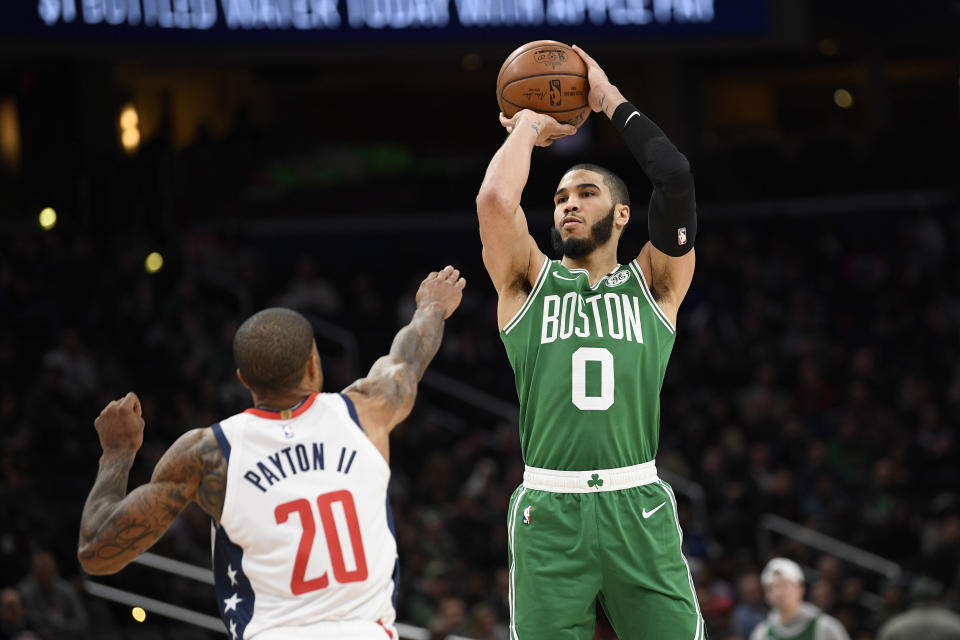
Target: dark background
point(815, 374)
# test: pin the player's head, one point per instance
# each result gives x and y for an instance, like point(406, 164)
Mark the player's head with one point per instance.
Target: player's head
point(591, 208)
point(783, 583)
point(275, 353)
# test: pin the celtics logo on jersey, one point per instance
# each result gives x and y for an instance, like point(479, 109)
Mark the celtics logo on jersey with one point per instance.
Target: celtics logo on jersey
point(618, 278)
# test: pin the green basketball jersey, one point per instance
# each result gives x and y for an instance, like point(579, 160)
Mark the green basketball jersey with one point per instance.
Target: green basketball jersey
point(589, 363)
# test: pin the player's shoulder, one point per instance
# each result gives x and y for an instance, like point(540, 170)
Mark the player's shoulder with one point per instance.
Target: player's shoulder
point(206, 446)
point(191, 457)
point(197, 439)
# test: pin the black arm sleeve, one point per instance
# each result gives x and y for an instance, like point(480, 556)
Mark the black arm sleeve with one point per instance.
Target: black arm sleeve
point(672, 216)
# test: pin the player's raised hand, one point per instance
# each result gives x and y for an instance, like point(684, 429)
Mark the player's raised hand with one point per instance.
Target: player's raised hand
point(120, 425)
point(443, 289)
point(600, 98)
point(545, 126)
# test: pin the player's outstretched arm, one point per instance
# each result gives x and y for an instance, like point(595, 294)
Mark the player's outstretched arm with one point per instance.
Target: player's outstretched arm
point(509, 253)
point(115, 527)
point(672, 216)
point(386, 395)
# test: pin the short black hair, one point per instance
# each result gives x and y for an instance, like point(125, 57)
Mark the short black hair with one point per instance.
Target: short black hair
point(618, 188)
point(271, 349)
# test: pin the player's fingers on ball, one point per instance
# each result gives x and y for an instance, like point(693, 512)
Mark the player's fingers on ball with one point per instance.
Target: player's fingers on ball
point(583, 54)
point(431, 276)
point(461, 283)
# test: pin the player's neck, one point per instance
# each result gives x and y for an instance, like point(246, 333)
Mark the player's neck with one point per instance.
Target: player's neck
point(280, 401)
point(598, 263)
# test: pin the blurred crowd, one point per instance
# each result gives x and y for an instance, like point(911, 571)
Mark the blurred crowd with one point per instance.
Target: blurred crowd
point(815, 377)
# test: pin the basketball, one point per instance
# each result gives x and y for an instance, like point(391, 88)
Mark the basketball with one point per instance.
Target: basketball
point(547, 77)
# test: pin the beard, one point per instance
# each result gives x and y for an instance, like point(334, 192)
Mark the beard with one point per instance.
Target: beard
point(577, 248)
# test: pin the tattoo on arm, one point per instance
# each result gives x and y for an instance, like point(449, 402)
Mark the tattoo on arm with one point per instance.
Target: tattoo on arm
point(109, 488)
point(418, 342)
point(536, 127)
point(115, 527)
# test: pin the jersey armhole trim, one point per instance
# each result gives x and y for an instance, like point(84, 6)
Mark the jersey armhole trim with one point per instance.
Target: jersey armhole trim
point(649, 296)
point(221, 440)
point(537, 285)
point(352, 410)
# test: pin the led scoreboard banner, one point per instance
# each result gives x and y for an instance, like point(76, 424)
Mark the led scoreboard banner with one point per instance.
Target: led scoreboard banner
point(311, 21)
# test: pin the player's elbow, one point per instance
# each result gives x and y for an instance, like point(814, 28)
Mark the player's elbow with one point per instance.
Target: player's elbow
point(491, 203)
point(94, 565)
point(670, 169)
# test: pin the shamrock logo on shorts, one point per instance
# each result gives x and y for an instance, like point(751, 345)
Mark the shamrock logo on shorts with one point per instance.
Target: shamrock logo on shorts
point(595, 481)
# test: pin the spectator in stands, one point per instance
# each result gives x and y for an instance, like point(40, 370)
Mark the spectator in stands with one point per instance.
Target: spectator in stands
point(53, 606)
point(13, 615)
point(484, 624)
point(894, 597)
point(750, 611)
point(450, 619)
point(928, 619)
point(791, 617)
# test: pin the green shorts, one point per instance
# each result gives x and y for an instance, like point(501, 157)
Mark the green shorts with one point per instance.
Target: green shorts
point(621, 547)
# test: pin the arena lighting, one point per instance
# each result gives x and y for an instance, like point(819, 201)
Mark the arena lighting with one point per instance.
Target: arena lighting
point(129, 118)
point(138, 614)
point(48, 218)
point(10, 143)
point(129, 128)
point(843, 98)
point(130, 138)
point(153, 263)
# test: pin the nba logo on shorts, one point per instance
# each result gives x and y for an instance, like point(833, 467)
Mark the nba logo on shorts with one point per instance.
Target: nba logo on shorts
point(287, 431)
point(682, 236)
point(526, 514)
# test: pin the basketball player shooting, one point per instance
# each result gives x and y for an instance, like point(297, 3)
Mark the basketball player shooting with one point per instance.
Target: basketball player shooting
point(298, 468)
point(589, 341)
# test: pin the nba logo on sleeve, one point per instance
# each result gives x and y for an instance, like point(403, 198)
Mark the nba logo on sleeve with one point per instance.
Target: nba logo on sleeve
point(526, 514)
point(682, 236)
point(287, 431)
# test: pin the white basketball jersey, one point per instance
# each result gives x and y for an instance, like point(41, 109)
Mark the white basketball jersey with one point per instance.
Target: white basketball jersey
point(306, 538)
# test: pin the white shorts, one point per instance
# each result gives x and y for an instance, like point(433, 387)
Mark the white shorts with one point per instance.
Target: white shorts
point(352, 630)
